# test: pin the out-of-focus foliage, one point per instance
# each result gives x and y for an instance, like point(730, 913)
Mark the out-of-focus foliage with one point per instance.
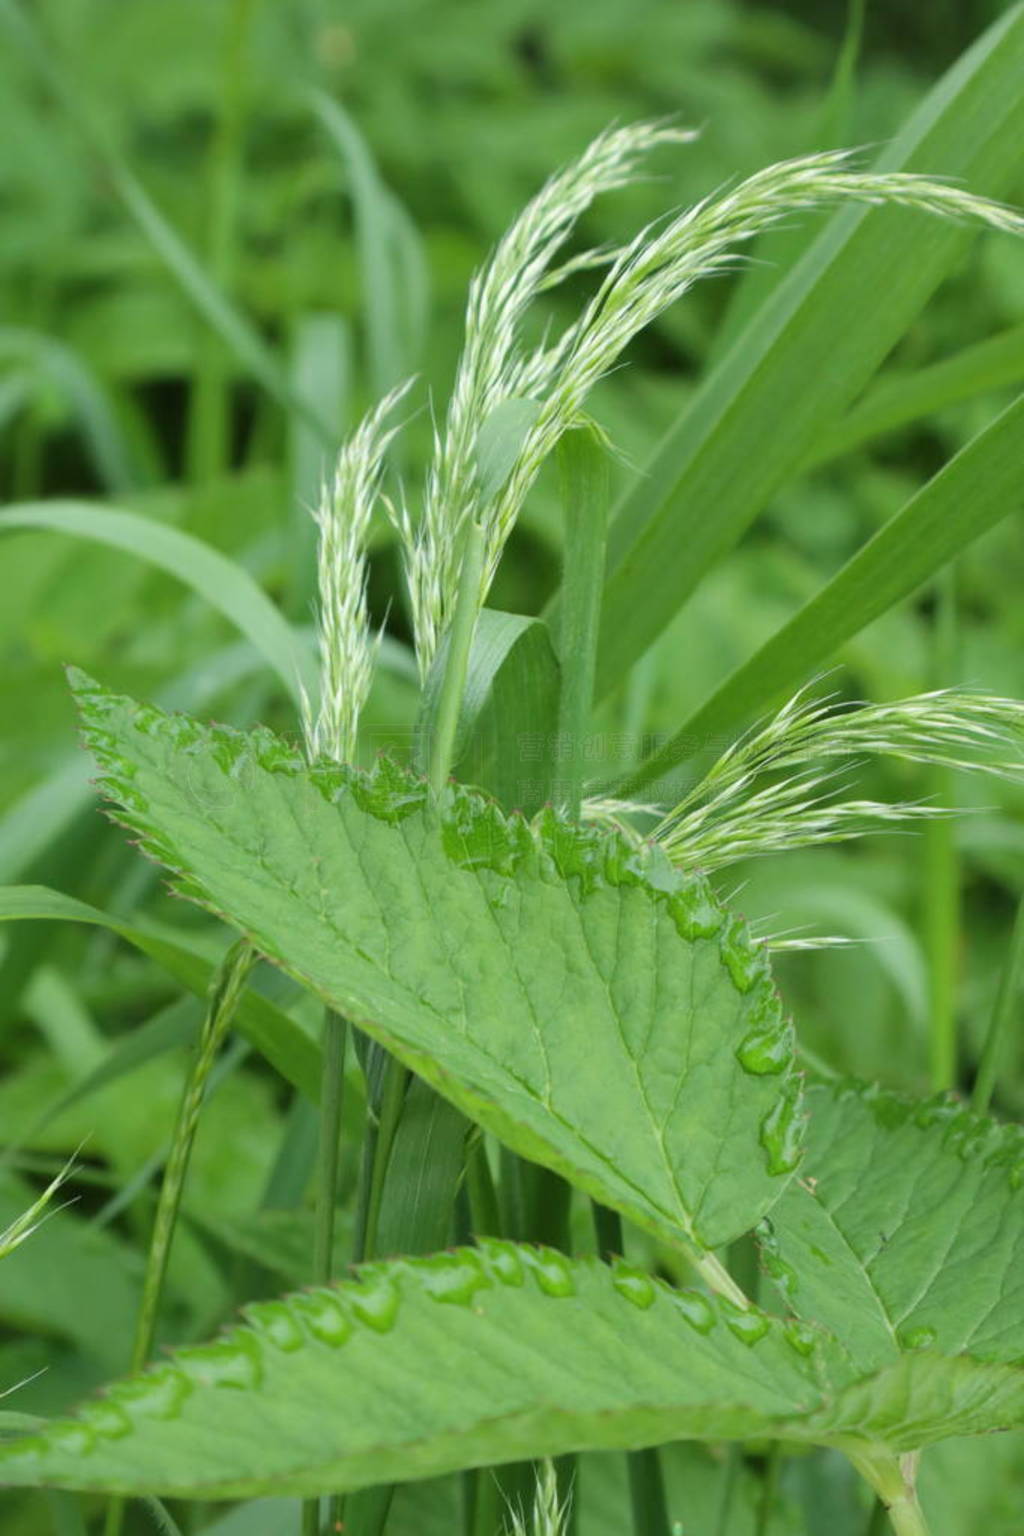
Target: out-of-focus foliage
point(346, 242)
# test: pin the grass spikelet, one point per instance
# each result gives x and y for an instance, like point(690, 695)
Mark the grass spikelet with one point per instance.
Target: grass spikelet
point(726, 817)
point(347, 648)
point(550, 1516)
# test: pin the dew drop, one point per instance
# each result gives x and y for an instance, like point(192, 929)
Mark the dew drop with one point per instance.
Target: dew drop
point(275, 1321)
point(782, 1133)
point(232, 1362)
point(745, 962)
point(766, 1050)
point(502, 1259)
point(918, 1338)
point(784, 1275)
point(159, 1393)
point(551, 1271)
point(71, 1437)
point(374, 1301)
point(695, 1309)
point(325, 1317)
point(799, 1337)
point(453, 1277)
point(747, 1326)
point(695, 913)
point(105, 1418)
point(635, 1285)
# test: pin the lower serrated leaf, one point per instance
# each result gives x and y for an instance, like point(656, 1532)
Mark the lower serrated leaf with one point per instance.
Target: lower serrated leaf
point(422, 1366)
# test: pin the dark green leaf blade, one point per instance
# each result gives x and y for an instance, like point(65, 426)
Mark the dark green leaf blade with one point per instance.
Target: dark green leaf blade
point(808, 352)
point(973, 492)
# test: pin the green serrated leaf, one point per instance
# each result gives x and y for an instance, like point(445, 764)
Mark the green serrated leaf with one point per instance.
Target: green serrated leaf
point(338, 1387)
point(907, 1230)
point(592, 1006)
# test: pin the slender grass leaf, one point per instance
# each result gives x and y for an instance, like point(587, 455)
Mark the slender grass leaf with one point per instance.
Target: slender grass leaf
point(220, 581)
point(424, 1171)
point(807, 354)
point(594, 1007)
point(111, 452)
point(900, 399)
point(275, 1035)
point(972, 493)
point(376, 235)
point(907, 1231)
point(500, 442)
point(509, 710)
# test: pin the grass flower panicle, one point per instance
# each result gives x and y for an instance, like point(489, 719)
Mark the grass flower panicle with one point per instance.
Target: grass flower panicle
point(544, 389)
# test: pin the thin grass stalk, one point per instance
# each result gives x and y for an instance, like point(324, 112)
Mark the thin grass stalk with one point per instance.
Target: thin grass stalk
point(225, 993)
point(209, 422)
point(1001, 1024)
point(460, 641)
point(646, 1482)
point(331, 1100)
point(941, 869)
point(585, 481)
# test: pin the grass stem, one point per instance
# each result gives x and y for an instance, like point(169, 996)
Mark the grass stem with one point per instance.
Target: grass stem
point(585, 481)
point(456, 666)
point(331, 1098)
point(942, 870)
point(1001, 1022)
point(646, 1482)
point(225, 992)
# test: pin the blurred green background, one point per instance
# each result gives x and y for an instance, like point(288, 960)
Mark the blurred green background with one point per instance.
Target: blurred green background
point(336, 172)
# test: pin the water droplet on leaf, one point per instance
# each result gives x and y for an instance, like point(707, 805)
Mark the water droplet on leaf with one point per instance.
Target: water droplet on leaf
point(374, 1300)
point(782, 1132)
point(325, 1317)
point(635, 1285)
point(453, 1277)
point(551, 1271)
point(918, 1338)
point(695, 1309)
point(232, 1362)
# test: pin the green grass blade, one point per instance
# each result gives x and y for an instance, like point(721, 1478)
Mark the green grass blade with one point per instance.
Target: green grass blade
point(1011, 983)
point(971, 494)
point(375, 233)
point(112, 454)
point(509, 710)
point(584, 478)
point(900, 399)
point(809, 351)
point(220, 581)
